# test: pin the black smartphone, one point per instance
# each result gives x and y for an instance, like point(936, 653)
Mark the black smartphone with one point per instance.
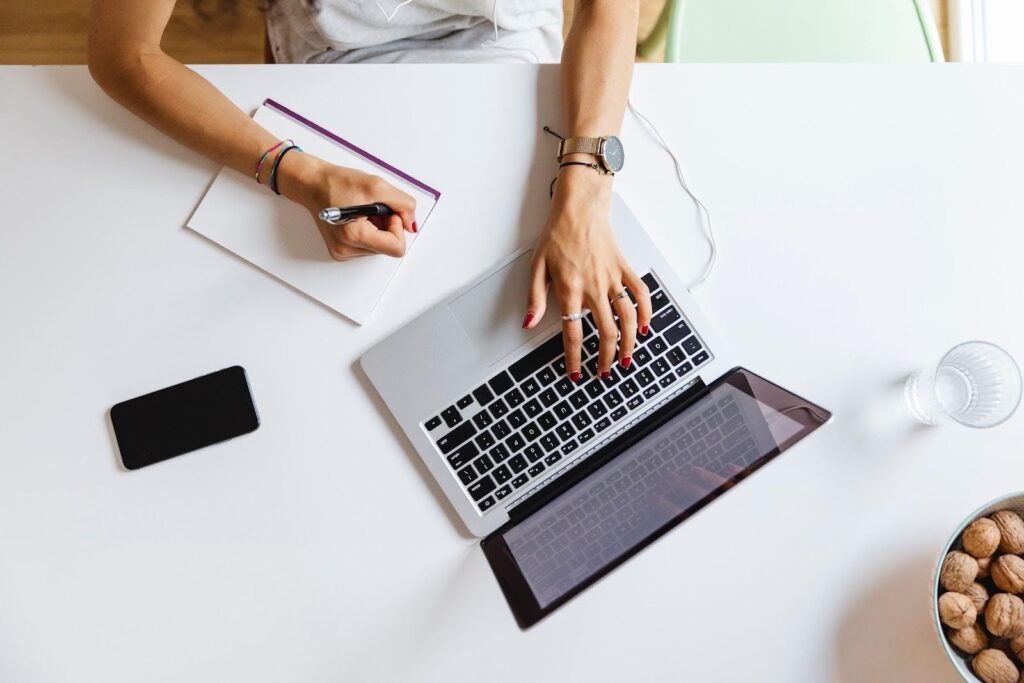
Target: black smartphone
point(184, 418)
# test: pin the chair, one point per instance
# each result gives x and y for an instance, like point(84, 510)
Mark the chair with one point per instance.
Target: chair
point(795, 31)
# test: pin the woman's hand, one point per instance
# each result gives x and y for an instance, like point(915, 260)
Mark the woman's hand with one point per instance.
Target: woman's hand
point(316, 184)
point(577, 253)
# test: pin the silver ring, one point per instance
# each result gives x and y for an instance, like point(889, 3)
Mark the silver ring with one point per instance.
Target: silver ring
point(618, 296)
point(573, 317)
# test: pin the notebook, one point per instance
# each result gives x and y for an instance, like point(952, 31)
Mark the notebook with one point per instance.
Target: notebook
point(279, 236)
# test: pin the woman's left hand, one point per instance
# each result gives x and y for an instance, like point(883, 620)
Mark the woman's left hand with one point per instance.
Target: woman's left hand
point(578, 254)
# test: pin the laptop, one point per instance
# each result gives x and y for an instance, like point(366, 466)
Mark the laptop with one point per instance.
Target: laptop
point(566, 481)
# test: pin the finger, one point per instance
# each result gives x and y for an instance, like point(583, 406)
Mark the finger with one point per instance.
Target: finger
point(537, 300)
point(401, 203)
point(623, 307)
point(364, 234)
point(572, 335)
point(643, 299)
point(344, 252)
point(608, 330)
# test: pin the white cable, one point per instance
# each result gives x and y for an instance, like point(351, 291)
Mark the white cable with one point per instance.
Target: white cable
point(707, 228)
point(391, 16)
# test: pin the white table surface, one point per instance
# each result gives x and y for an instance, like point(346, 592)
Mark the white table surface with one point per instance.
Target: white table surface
point(869, 217)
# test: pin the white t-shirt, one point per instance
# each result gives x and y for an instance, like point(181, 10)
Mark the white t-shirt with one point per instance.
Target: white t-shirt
point(395, 31)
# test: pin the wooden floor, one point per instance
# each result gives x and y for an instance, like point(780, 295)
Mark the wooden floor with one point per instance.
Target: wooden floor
point(201, 31)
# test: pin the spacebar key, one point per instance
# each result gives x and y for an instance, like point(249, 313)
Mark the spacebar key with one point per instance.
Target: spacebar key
point(450, 441)
point(536, 359)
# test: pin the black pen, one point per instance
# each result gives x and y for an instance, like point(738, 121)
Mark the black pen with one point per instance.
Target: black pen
point(344, 214)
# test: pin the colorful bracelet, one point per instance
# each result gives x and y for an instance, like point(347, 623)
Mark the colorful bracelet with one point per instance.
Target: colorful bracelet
point(277, 162)
point(259, 164)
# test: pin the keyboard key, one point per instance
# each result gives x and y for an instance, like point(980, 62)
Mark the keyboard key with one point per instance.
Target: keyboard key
point(642, 357)
point(465, 401)
point(503, 491)
point(483, 464)
point(481, 488)
point(533, 453)
point(603, 424)
point(612, 398)
point(536, 359)
point(530, 386)
point(634, 402)
point(596, 409)
point(581, 420)
point(500, 452)
point(536, 469)
point(692, 345)
point(683, 369)
point(548, 397)
point(502, 474)
point(501, 429)
point(482, 419)
point(501, 383)
point(451, 416)
point(498, 408)
point(467, 474)
point(563, 386)
point(666, 380)
point(664, 318)
point(565, 430)
point(486, 503)
point(552, 459)
point(484, 440)
point(514, 398)
point(579, 399)
point(586, 435)
point(660, 367)
point(676, 356)
point(594, 388)
point(658, 301)
point(563, 410)
point(700, 358)
point(547, 421)
point(652, 284)
point(515, 443)
point(567, 448)
point(644, 377)
point(629, 388)
point(532, 408)
point(547, 376)
point(463, 455)
point(619, 413)
point(520, 480)
point(651, 390)
point(559, 367)
point(657, 346)
point(677, 333)
point(549, 441)
point(516, 418)
point(453, 439)
point(531, 432)
point(517, 464)
point(591, 344)
point(483, 395)
point(433, 423)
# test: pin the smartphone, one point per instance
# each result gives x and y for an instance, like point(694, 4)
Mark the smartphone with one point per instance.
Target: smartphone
point(184, 418)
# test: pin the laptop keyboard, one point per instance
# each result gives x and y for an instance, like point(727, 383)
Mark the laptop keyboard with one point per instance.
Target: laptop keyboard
point(526, 419)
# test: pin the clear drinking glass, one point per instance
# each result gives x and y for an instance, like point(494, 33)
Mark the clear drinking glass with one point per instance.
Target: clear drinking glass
point(976, 384)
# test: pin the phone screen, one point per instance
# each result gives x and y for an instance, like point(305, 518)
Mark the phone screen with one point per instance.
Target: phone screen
point(184, 417)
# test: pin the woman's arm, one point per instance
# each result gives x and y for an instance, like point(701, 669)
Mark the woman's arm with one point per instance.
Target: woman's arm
point(126, 61)
point(577, 251)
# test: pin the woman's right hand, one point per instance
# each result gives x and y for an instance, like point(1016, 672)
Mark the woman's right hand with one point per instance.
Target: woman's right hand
point(316, 184)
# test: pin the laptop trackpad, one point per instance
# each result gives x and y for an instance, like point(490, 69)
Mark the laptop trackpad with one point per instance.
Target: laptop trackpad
point(492, 312)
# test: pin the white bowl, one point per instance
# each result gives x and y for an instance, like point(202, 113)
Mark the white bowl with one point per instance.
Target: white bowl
point(1012, 501)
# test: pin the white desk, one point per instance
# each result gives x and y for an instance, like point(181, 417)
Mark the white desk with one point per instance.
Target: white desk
point(869, 217)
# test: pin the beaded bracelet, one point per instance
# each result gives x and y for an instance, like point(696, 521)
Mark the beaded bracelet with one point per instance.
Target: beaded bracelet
point(277, 162)
point(259, 164)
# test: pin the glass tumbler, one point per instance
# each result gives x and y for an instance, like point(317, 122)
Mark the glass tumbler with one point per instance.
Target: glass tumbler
point(976, 384)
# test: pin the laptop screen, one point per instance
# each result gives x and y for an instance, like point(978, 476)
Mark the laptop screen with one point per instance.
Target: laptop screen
point(676, 466)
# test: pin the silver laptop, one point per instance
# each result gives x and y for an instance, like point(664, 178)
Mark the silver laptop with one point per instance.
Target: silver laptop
point(488, 405)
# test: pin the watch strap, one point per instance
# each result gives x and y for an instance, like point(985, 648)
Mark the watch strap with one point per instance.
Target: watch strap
point(579, 146)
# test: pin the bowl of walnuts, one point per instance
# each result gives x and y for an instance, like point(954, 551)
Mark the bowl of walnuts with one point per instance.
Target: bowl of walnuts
point(977, 593)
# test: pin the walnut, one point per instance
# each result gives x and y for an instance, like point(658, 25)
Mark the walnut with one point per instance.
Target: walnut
point(1011, 531)
point(981, 537)
point(993, 666)
point(958, 571)
point(1008, 573)
point(1017, 645)
point(956, 610)
point(971, 640)
point(984, 565)
point(1004, 615)
point(978, 595)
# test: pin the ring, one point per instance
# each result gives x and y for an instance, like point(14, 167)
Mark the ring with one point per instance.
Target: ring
point(572, 317)
point(618, 296)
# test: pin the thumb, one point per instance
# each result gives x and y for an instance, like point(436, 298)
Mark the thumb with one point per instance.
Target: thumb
point(538, 297)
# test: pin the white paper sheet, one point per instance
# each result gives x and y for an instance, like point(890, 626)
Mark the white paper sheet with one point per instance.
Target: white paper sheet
point(279, 236)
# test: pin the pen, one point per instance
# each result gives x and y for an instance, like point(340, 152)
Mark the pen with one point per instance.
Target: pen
point(344, 214)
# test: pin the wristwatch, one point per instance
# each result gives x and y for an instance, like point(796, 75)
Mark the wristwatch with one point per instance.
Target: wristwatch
point(607, 149)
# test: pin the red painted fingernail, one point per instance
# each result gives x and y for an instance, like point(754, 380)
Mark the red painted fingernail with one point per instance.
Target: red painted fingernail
point(575, 377)
point(527, 320)
point(606, 374)
point(645, 329)
point(626, 361)
point(414, 228)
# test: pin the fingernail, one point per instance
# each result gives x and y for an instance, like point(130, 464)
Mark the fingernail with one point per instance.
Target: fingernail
point(575, 377)
point(645, 329)
point(626, 361)
point(414, 228)
point(527, 320)
point(606, 374)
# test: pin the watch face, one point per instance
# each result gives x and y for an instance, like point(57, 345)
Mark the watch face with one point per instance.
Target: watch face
point(614, 155)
